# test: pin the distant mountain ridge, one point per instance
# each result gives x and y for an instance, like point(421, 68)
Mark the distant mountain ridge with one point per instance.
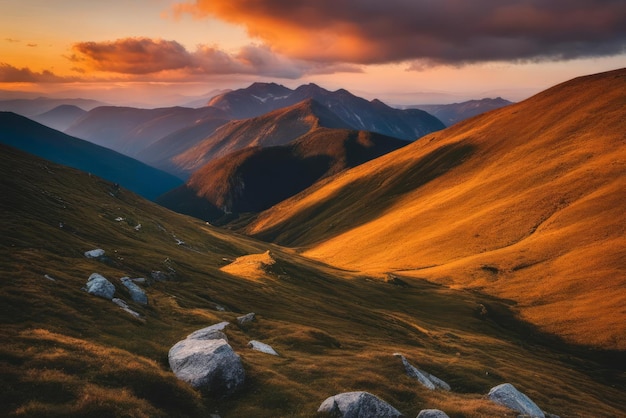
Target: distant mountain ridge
point(30, 136)
point(37, 106)
point(253, 179)
point(277, 127)
point(130, 130)
point(61, 117)
point(453, 113)
point(356, 112)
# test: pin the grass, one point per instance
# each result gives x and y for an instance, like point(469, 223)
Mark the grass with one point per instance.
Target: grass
point(67, 353)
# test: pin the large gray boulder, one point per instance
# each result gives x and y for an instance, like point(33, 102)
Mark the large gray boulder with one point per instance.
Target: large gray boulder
point(98, 285)
point(428, 380)
point(209, 365)
point(432, 413)
point(136, 293)
point(507, 395)
point(357, 405)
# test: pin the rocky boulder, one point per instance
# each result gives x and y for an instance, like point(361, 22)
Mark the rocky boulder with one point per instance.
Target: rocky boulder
point(507, 395)
point(430, 381)
point(136, 293)
point(432, 413)
point(244, 319)
point(357, 405)
point(97, 253)
point(209, 365)
point(262, 347)
point(98, 285)
point(214, 332)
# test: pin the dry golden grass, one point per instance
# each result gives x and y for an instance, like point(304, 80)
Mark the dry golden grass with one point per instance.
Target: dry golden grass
point(253, 266)
point(525, 203)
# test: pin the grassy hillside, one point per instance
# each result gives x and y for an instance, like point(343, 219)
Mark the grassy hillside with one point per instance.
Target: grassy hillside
point(525, 203)
point(67, 353)
point(30, 136)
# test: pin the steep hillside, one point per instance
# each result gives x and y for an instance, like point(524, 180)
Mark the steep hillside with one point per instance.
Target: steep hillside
point(30, 136)
point(274, 128)
point(355, 112)
point(61, 117)
point(65, 352)
point(453, 113)
point(255, 178)
point(130, 130)
point(525, 202)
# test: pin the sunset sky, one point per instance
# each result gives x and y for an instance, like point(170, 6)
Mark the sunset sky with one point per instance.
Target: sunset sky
point(401, 51)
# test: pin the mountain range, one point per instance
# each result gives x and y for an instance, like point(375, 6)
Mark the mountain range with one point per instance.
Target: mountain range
point(255, 178)
point(27, 135)
point(453, 113)
point(356, 112)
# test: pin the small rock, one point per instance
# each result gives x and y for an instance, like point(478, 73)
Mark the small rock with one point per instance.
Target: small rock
point(358, 405)
point(246, 318)
point(430, 381)
point(507, 395)
point(122, 304)
point(210, 365)
point(139, 280)
point(262, 347)
point(136, 293)
point(119, 219)
point(98, 285)
point(214, 332)
point(49, 277)
point(432, 413)
point(138, 227)
point(97, 253)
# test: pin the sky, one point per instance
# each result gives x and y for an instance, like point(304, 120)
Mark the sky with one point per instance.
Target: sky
point(161, 52)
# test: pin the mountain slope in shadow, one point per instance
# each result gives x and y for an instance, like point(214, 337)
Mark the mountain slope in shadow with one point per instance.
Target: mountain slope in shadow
point(32, 137)
point(255, 178)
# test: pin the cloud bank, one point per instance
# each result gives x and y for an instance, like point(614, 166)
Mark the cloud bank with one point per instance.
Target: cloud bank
point(143, 56)
point(454, 32)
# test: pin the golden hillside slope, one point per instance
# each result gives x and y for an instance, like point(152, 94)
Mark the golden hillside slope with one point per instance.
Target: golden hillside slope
point(525, 203)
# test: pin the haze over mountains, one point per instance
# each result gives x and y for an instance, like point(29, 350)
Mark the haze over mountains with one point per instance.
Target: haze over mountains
point(453, 113)
point(30, 136)
point(525, 202)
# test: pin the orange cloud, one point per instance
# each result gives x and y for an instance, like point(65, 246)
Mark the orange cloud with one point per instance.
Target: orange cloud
point(11, 74)
point(145, 56)
point(442, 31)
point(131, 55)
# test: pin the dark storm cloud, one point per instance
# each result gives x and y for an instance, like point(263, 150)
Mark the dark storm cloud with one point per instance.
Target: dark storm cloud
point(435, 31)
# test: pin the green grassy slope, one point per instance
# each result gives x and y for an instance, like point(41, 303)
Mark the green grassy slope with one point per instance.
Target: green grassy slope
point(67, 353)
